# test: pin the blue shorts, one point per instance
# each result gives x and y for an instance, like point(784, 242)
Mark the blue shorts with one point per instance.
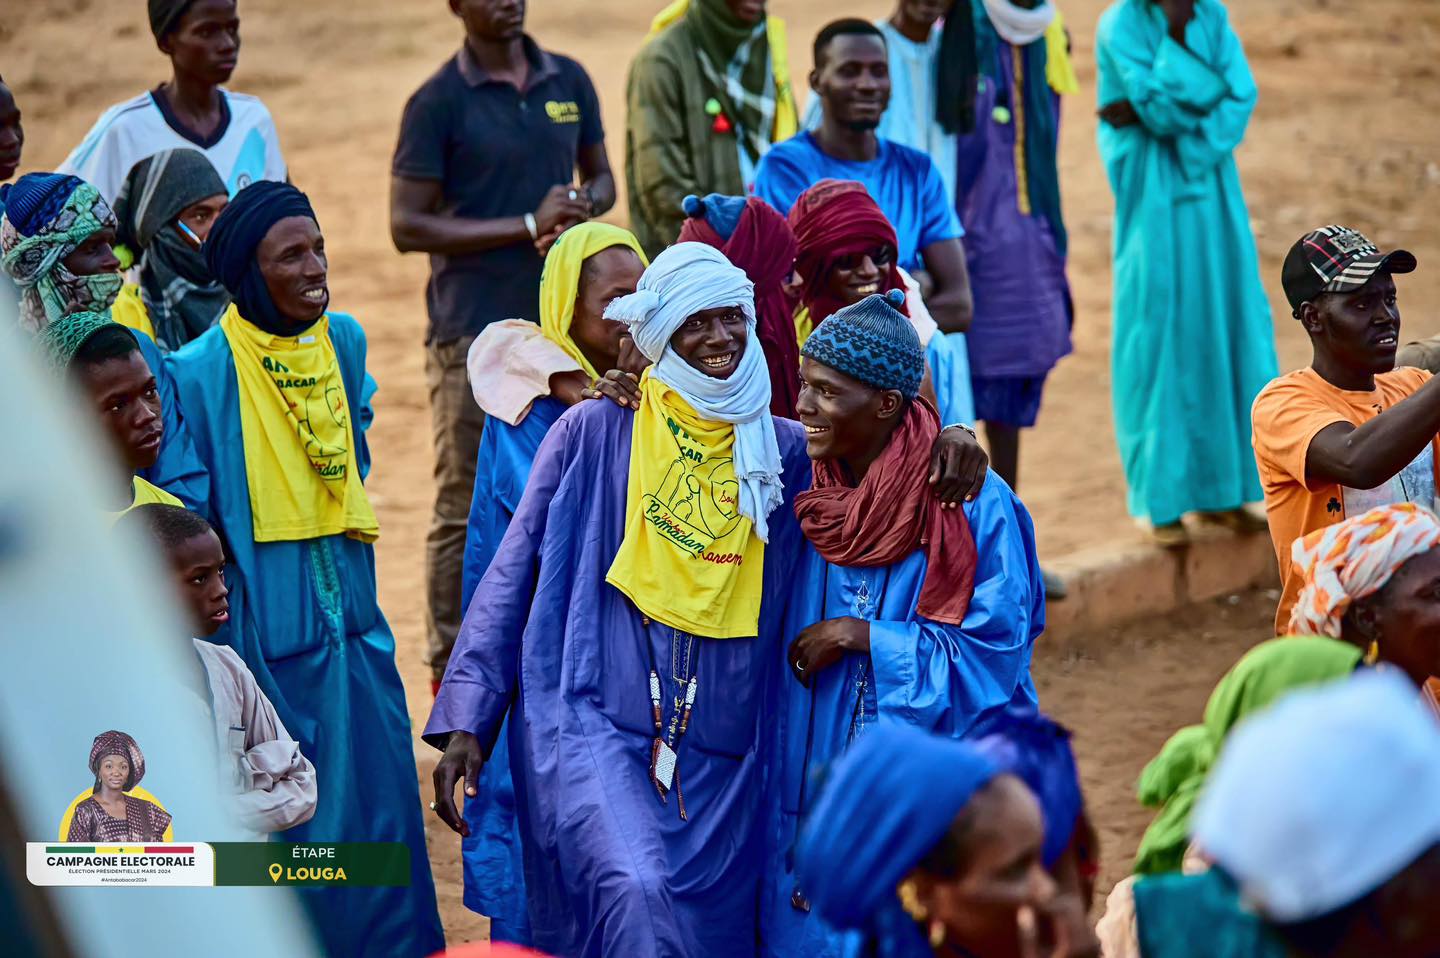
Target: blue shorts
point(1008, 400)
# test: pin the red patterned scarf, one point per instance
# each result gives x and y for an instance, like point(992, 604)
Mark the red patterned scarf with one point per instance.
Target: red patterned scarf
point(831, 219)
point(891, 514)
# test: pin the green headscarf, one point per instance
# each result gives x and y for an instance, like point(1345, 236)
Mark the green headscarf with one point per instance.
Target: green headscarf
point(1175, 777)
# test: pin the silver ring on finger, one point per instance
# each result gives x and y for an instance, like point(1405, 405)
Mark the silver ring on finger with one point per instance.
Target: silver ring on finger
point(432, 806)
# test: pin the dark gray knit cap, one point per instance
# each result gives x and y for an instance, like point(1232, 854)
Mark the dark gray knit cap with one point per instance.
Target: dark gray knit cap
point(871, 341)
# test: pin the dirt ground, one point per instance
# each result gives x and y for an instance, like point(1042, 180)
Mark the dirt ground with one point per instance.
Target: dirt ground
point(1343, 133)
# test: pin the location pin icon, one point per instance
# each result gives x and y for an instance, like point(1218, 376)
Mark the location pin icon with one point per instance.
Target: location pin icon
point(275, 871)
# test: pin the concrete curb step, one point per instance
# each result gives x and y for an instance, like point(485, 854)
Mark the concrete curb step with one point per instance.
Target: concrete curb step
point(1112, 585)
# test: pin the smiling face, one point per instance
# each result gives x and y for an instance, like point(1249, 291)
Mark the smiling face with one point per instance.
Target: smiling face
point(491, 20)
point(199, 566)
point(1359, 331)
point(95, 255)
point(292, 260)
point(1001, 872)
point(123, 392)
point(205, 44)
point(844, 418)
point(604, 277)
point(12, 135)
point(713, 340)
point(853, 80)
point(856, 275)
point(114, 772)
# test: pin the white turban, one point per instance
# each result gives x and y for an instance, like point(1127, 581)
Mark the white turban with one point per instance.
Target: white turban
point(686, 279)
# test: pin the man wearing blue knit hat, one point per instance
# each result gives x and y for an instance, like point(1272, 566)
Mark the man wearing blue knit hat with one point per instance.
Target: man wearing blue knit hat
point(904, 609)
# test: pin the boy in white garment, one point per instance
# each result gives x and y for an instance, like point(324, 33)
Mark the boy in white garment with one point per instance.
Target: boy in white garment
point(190, 110)
point(274, 781)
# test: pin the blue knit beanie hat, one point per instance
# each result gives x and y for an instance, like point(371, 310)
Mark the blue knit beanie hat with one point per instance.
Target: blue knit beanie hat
point(37, 198)
point(871, 341)
point(720, 211)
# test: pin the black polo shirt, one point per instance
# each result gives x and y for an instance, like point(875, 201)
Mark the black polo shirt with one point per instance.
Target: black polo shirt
point(496, 151)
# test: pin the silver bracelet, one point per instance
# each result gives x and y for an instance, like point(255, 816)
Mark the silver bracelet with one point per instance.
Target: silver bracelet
point(961, 425)
point(531, 226)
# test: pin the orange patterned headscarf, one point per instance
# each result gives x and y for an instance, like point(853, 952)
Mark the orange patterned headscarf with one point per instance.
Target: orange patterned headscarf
point(1350, 560)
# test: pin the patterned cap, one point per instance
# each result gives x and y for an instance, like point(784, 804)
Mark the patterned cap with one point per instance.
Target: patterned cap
point(1336, 259)
point(36, 198)
point(871, 341)
point(118, 743)
point(62, 339)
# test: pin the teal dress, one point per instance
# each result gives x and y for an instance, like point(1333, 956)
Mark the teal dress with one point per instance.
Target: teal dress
point(1193, 342)
point(1199, 916)
point(306, 619)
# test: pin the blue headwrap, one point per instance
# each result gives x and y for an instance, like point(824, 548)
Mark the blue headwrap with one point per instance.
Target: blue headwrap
point(1037, 750)
point(887, 803)
point(230, 248)
point(720, 211)
point(37, 198)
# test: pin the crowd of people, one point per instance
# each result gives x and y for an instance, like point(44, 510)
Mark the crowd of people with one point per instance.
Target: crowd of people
point(729, 613)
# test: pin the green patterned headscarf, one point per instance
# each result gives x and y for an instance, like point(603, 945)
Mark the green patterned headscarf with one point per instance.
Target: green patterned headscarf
point(36, 261)
point(62, 339)
point(1174, 778)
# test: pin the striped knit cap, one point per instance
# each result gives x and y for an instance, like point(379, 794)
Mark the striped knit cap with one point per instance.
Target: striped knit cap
point(62, 339)
point(871, 341)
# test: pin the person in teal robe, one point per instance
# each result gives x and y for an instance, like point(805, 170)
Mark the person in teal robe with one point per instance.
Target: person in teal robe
point(868, 640)
point(304, 614)
point(1192, 337)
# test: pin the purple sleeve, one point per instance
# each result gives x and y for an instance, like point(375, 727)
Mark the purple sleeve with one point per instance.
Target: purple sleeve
point(81, 824)
point(480, 679)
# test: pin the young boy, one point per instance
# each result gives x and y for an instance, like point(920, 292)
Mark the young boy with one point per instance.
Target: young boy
point(103, 358)
point(259, 760)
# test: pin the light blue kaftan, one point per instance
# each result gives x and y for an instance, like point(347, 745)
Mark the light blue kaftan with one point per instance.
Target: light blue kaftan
point(938, 677)
point(305, 618)
point(1192, 342)
point(490, 855)
point(177, 470)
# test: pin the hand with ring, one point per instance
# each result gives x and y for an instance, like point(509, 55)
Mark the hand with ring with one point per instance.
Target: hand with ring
point(823, 644)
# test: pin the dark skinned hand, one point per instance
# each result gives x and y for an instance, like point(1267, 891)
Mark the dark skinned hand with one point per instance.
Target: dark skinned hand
point(632, 360)
point(621, 388)
point(462, 760)
point(1118, 114)
point(559, 210)
point(823, 644)
point(569, 387)
point(958, 466)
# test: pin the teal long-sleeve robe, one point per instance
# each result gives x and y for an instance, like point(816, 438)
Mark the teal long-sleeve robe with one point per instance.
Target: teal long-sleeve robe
point(1193, 342)
point(306, 619)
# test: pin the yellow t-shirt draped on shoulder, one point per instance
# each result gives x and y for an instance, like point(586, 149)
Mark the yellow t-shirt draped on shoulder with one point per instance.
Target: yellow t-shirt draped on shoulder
point(129, 310)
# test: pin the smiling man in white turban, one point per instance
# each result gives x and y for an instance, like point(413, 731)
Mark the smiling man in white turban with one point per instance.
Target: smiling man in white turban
point(632, 620)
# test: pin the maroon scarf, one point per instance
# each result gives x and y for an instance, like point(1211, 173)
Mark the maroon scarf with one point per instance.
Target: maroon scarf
point(763, 246)
point(831, 219)
point(891, 514)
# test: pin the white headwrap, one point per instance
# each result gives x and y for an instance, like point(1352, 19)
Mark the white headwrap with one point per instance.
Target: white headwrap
point(1017, 25)
point(684, 280)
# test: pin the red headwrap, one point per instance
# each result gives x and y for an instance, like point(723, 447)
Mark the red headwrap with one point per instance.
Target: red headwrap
point(892, 513)
point(831, 219)
point(763, 246)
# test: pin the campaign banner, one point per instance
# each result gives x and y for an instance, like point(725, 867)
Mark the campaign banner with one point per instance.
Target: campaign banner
point(168, 864)
point(172, 864)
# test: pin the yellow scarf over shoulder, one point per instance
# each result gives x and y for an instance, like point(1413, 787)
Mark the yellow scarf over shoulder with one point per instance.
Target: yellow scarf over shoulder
point(295, 424)
point(689, 558)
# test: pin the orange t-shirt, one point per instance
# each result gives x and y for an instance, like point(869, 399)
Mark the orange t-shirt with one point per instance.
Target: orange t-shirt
point(1286, 417)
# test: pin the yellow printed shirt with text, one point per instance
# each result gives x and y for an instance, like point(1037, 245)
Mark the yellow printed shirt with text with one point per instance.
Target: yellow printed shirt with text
point(295, 423)
point(689, 559)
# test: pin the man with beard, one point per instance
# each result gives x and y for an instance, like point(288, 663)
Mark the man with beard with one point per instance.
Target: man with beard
point(851, 77)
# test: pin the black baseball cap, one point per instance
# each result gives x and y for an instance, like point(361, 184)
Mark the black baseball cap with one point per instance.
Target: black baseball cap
point(1336, 259)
